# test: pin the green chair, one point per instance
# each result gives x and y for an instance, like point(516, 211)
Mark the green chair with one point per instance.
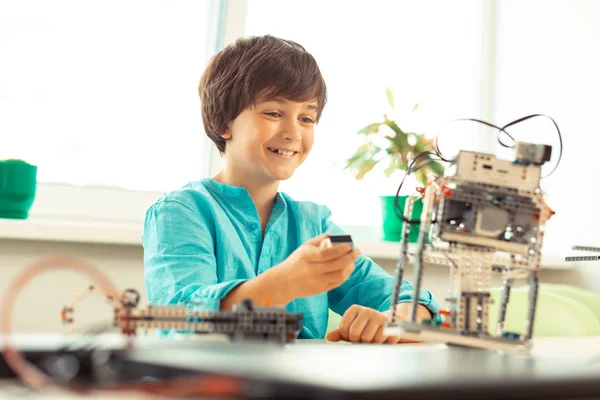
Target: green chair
point(558, 312)
point(562, 310)
point(586, 297)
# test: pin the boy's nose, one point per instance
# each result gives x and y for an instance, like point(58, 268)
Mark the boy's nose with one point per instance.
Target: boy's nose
point(291, 132)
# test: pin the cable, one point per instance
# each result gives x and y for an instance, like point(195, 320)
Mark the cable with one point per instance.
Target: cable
point(503, 130)
point(500, 130)
point(410, 170)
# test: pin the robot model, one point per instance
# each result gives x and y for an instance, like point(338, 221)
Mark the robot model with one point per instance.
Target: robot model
point(488, 216)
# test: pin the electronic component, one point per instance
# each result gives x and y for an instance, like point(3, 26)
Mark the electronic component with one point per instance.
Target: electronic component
point(333, 240)
point(530, 153)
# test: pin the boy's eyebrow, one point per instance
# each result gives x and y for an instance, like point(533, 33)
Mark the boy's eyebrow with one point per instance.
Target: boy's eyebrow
point(311, 106)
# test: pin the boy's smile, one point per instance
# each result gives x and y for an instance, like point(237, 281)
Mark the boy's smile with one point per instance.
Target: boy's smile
point(270, 139)
point(285, 153)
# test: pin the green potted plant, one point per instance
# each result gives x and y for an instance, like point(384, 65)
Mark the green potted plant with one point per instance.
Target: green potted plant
point(385, 142)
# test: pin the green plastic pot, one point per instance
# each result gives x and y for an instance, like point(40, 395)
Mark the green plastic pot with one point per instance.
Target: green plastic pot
point(18, 180)
point(392, 225)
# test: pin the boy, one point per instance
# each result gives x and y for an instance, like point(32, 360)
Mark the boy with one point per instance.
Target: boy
point(234, 236)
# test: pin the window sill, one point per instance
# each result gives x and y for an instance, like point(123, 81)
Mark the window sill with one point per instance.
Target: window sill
point(129, 234)
point(70, 231)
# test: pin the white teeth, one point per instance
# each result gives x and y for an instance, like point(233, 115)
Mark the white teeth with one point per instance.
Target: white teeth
point(283, 152)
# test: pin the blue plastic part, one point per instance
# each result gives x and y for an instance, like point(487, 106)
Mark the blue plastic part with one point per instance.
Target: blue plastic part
point(511, 335)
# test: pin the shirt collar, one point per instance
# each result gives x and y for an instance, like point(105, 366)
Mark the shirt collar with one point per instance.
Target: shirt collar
point(226, 190)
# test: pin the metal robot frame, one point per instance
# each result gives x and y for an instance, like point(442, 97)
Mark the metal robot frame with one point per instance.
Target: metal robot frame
point(489, 216)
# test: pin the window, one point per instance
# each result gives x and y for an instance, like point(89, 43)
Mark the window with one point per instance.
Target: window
point(426, 52)
point(103, 94)
point(553, 70)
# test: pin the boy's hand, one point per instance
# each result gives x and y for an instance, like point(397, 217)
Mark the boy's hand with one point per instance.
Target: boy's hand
point(312, 270)
point(365, 325)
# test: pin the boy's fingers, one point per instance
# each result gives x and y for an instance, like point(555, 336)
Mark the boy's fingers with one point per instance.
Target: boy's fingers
point(358, 326)
point(398, 339)
point(342, 262)
point(379, 336)
point(339, 276)
point(347, 319)
point(369, 332)
point(334, 336)
point(329, 254)
point(402, 340)
point(316, 241)
point(392, 339)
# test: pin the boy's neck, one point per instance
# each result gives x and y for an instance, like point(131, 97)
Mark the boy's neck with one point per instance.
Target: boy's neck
point(263, 193)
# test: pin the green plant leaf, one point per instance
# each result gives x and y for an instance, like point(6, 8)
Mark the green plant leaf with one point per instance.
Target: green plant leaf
point(421, 176)
point(391, 168)
point(392, 124)
point(390, 97)
point(415, 107)
point(366, 167)
point(420, 146)
point(371, 128)
point(436, 168)
point(358, 154)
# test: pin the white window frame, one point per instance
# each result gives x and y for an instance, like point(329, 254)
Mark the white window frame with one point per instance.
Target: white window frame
point(233, 27)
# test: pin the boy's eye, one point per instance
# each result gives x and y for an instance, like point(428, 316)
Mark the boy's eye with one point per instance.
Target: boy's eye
point(307, 120)
point(273, 114)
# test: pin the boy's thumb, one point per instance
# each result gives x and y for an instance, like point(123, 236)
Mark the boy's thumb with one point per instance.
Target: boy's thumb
point(334, 336)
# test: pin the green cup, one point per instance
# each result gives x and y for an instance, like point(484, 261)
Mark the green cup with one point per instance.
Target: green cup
point(18, 181)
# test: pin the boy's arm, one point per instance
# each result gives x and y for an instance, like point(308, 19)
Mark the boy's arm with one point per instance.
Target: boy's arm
point(266, 288)
point(179, 261)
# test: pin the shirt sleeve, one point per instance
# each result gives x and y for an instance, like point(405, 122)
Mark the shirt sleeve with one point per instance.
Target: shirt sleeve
point(179, 258)
point(370, 286)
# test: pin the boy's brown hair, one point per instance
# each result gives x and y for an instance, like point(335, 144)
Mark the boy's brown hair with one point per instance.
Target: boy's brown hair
point(252, 66)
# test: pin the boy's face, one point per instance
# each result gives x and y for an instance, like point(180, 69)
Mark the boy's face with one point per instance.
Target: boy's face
point(271, 138)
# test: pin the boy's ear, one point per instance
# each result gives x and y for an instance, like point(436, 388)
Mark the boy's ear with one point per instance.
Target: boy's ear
point(226, 134)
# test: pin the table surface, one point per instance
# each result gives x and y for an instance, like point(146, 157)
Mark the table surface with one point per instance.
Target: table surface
point(556, 368)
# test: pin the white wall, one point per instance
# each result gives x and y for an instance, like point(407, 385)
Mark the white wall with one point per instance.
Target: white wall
point(38, 307)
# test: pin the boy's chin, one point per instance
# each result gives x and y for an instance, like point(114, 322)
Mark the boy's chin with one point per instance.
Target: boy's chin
point(281, 175)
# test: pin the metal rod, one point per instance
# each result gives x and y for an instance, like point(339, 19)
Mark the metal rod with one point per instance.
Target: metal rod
point(403, 260)
point(533, 292)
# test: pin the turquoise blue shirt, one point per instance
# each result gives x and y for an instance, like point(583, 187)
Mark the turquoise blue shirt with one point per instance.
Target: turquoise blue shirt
point(205, 239)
